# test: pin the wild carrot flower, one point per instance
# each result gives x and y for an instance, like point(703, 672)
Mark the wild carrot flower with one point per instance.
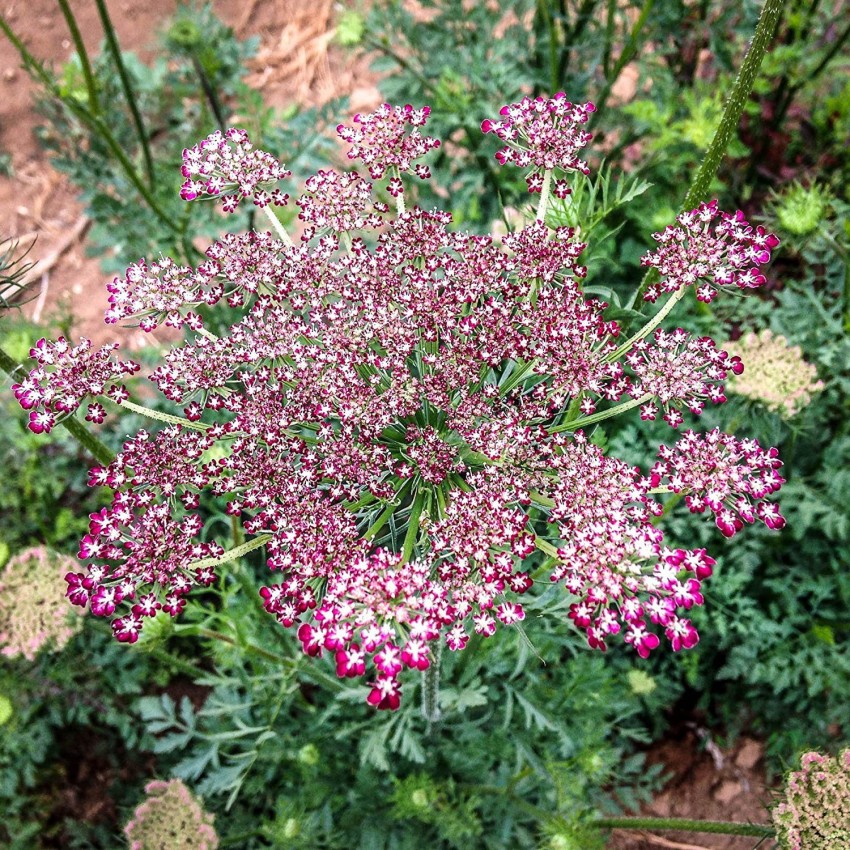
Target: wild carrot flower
point(544, 134)
point(170, 818)
point(777, 375)
point(402, 415)
point(709, 249)
point(815, 811)
point(67, 375)
point(227, 165)
point(33, 614)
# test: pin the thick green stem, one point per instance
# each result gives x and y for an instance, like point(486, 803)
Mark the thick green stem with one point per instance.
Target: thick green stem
point(277, 226)
point(544, 195)
point(164, 417)
point(74, 427)
point(129, 94)
point(91, 86)
point(602, 415)
point(231, 554)
point(735, 104)
point(698, 191)
point(684, 825)
point(431, 689)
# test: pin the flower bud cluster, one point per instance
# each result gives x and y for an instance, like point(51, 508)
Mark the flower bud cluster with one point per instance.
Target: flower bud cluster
point(720, 253)
point(399, 416)
point(170, 817)
point(777, 375)
point(815, 812)
point(33, 614)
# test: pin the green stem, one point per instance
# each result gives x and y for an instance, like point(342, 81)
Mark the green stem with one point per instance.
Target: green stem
point(277, 226)
point(431, 689)
point(388, 511)
point(546, 14)
point(115, 50)
point(251, 647)
point(73, 426)
point(544, 195)
point(602, 415)
point(209, 93)
point(90, 120)
point(163, 417)
point(91, 86)
point(735, 104)
point(413, 526)
point(685, 825)
point(546, 546)
point(231, 554)
point(649, 327)
point(609, 38)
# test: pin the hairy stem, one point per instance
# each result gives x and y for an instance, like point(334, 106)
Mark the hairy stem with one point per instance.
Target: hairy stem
point(764, 34)
point(544, 195)
point(164, 417)
point(277, 226)
point(231, 554)
point(685, 825)
point(431, 689)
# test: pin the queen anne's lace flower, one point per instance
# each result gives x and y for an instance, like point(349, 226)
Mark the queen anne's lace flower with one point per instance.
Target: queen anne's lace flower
point(33, 614)
point(815, 812)
point(383, 141)
point(722, 254)
point(777, 375)
point(542, 133)
point(227, 165)
point(65, 376)
point(170, 818)
point(402, 414)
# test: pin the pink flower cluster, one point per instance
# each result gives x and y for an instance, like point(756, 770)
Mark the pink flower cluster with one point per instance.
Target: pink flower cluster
point(383, 141)
point(722, 254)
point(543, 133)
point(815, 811)
point(227, 165)
point(679, 370)
point(65, 376)
point(403, 412)
point(730, 477)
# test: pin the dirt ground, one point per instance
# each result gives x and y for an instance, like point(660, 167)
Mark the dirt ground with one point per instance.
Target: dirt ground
point(296, 63)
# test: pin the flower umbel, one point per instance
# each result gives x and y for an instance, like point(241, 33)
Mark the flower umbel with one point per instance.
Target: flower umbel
point(170, 818)
point(776, 375)
point(404, 414)
point(815, 812)
point(33, 614)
